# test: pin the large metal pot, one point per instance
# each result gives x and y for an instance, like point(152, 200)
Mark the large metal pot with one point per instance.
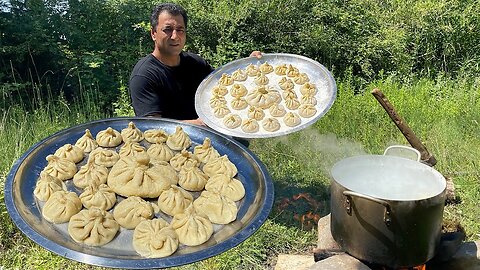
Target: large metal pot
point(386, 209)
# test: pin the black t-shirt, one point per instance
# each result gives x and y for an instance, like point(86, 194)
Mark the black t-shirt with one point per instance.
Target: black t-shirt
point(156, 88)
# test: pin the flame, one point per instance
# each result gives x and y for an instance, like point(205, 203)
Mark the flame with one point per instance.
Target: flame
point(307, 220)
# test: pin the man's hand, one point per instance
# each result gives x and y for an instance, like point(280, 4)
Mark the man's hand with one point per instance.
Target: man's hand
point(257, 54)
point(197, 122)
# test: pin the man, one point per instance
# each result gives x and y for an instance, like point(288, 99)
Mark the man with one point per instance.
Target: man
point(163, 83)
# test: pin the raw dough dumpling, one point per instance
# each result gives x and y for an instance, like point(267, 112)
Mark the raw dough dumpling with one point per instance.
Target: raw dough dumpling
point(191, 227)
point(227, 186)
point(255, 113)
point(191, 178)
point(70, 152)
point(308, 89)
point(167, 170)
point(217, 100)
point(277, 110)
point(262, 97)
point(261, 79)
point(179, 140)
point(289, 94)
point(47, 185)
point(205, 151)
point(87, 142)
point(286, 84)
point(220, 165)
point(160, 152)
point(60, 168)
point(292, 103)
point(93, 227)
point(184, 158)
point(281, 70)
point(292, 71)
point(155, 136)
point(239, 75)
point(252, 70)
point(219, 90)
point(301, 78)
point(90, 174)
point(131, 148)
point(101, 197)
point(61, 206)
point(232, 121)
point(225, 80)
point(155, 239)
point(311, 100)
point(271, 124)
point(250, 125)
point(133, 210)
point(266, 68)
point(307, 110)
point(109, 138)
point(238, 90)
point(219, 208)
point(136, 176)
point(104, 157)
point(174, 200)
point(131, 133)
point(221, 111)
point(291, 119)
point(238, 103)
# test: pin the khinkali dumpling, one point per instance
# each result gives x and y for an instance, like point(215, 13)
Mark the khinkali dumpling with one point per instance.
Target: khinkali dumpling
point(261, 79)
point(219, 209)
point(252, 70)
point(217, 100)
point(131, 148)
point(90, 174)
point(308, 89)
point(184, 158)
point(286, 84)
point(308, 100)
point(289, 93)
point(220, 90)
point(191, 227)
point(109, 138)
point(167, 170)
point(238, 103)
point(93, 227)
point(205, 151)
point(61, 206)
point(136, 176)
point(266, 68)
point(292, 71)
point(292, 103)
point(133, 210)
point(87, 142)
point(281, 70)
point(238, 90)
point(221, 111)
point(271, 124)
point(262, 97)
point(131, 133)
point(192, 178)
point(250, 125)
point(239, 75)
point(255, 113)
point(104, 157)
point(47, 185)
point(155, 136)
point(232, 121)
point(155, 239)
point(307, 110)
point(277, 110)
point(101, 197)
point(174, 200)
point(225, 79)
point(291, 119)
point(70, 152)
point(227, 186)
point(220, 165)
point(160, 152)
point(59, 167)
point(179, 140)
point(301, 78)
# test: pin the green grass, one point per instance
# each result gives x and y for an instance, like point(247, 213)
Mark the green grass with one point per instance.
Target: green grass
point(444, 114)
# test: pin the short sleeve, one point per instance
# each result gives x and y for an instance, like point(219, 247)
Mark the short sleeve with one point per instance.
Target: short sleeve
point(145, 96)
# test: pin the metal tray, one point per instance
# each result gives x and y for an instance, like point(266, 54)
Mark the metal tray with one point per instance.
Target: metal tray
point(25, 209)
point(318, 74)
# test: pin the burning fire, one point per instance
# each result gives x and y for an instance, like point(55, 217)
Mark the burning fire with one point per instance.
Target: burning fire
point(309, 219)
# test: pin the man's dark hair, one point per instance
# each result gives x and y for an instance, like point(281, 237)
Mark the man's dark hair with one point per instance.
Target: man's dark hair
point(172, 9)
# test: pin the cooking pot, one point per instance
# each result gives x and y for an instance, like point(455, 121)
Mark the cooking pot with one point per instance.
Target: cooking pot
point(387, 209)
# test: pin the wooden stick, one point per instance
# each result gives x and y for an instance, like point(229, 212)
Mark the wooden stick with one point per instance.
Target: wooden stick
point(426, 157)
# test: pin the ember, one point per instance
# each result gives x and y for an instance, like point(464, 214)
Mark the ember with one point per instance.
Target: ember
point(305, 209)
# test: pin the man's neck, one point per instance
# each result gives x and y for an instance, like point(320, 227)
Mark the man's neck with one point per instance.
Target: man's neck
point(169, 60)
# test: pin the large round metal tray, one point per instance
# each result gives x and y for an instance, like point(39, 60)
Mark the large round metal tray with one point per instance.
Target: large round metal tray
point(25, 209)
point(318, 74)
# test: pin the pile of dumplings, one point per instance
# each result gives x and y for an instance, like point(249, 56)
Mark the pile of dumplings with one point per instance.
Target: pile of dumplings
point(149, 182)
point(263, 98)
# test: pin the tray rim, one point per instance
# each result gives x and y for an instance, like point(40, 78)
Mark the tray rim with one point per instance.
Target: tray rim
point(142, 263)
point(240, 134)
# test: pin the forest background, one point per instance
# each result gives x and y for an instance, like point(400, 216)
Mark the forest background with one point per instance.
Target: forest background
point(65, 62)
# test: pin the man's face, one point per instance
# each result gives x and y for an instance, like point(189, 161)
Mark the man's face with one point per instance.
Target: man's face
point(170, 34)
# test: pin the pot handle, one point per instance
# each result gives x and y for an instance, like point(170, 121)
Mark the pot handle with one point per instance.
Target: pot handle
point(386, 215)
point(403, 151)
